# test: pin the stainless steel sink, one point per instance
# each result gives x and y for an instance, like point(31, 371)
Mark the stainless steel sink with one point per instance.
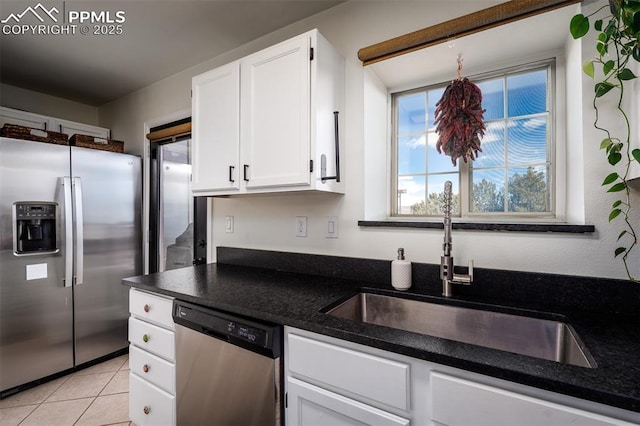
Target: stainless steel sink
point(540, 338)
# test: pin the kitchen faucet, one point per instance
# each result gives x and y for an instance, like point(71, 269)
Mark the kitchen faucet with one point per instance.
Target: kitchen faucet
point(447, 274)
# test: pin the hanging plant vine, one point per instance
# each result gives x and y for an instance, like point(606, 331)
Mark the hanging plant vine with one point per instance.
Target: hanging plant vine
point(618, 43)
point(459, 119)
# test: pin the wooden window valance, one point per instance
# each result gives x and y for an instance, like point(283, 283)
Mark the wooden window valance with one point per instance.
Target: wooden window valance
point(170, 133)
point(484, 19)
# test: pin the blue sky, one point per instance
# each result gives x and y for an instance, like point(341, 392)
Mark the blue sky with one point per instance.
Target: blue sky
point(527, 136)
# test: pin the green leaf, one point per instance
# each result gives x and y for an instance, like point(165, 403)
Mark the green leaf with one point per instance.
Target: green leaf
point(598, 25)
point(636, 53)
point(608, 66)
point(602, 88)
point(606, 143)
point(621, 186)
point(622, 234)
point(619, 251)
point(602, 46)
point(610, 179)
point(588, 69)
point(636, 154)
point(616, 204)
point(579, 26)
point(614, 213)
point(635, 26)
point(614, 158)
point(626, 74)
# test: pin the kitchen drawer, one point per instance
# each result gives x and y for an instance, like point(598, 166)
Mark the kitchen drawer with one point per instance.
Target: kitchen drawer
point(151, 307)
point(152, 338)
point(149, 405)
point(153, 369)
point(488, 405)
point(356, 373)
point(311, 405)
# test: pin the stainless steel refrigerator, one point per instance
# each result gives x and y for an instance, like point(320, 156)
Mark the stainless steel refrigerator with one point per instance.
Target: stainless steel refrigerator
point(70, 230)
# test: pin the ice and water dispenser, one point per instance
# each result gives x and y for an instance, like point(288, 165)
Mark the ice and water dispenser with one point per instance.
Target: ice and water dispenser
point(35, 227)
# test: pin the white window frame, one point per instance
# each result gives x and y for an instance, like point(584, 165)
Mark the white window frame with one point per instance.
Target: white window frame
point(556, 151)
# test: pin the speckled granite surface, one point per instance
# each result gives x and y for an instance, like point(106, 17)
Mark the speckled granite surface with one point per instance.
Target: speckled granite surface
point(280, 296)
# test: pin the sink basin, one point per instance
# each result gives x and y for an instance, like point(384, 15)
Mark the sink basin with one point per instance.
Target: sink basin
point(540, 338)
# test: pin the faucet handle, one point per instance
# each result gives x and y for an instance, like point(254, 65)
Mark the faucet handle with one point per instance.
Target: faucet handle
point(465, 279)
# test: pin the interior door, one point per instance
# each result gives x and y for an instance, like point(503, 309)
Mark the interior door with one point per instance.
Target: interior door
point(107, 197)
point(176, 206)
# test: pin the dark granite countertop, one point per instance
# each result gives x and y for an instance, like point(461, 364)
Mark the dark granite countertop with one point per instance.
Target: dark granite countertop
point(296, 299)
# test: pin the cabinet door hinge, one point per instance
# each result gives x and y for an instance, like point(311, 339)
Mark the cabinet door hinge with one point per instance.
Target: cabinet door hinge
point(286, 400)
point(310, 166)
point(311, 54)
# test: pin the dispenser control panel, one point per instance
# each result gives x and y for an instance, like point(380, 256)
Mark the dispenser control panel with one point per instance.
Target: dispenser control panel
point(35, 211)
point(35, 226)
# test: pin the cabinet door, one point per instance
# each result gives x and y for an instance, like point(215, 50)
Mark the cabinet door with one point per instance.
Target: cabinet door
point(276, 114)
point(149, 405)
point(216, 129)
point(23, 118)
point(488, 405)
point(71, 128)
point(309, 405)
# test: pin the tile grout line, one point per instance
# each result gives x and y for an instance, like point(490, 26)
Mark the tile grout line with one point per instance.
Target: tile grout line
point(64, 380)
point(85, 410)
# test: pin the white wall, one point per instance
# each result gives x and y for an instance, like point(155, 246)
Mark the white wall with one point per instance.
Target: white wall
point(267, 222)
point(39, 103)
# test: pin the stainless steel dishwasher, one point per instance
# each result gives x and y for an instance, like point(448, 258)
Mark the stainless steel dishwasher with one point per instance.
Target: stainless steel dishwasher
point(228, 368)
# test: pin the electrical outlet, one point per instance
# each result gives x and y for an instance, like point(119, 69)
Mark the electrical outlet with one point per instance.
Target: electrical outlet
point(301, 226)
point(332, 227)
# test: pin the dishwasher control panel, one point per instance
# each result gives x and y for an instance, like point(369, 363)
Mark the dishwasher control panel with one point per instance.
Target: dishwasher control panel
point(253, 335)
point(242, 331)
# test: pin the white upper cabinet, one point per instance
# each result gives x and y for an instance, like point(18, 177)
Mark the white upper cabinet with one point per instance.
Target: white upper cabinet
point(71, 128)
point(23, 118)
point(216, 129)
point(43, 122)
point(272, 121)
point(276, 113)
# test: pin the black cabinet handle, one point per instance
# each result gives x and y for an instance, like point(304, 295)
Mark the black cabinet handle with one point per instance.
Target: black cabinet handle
point(323, 158)
point(246, 168)
point(231, 174)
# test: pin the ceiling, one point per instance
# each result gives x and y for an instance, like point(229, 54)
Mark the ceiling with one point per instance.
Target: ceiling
point(159, 38)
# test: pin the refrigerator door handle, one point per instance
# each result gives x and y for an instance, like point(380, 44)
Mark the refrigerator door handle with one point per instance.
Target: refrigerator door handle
point(79, 242)
point(68, 233)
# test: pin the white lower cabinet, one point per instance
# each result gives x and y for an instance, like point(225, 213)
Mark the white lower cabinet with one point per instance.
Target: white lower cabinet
point(335, 382)
point(312, 405)
point(490, 405)
point(152, 381)
point(149, 405)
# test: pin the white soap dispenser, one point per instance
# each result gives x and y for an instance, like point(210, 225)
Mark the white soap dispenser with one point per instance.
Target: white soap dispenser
point(401, 272)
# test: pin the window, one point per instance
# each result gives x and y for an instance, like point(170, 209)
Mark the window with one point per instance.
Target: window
point(514, 173)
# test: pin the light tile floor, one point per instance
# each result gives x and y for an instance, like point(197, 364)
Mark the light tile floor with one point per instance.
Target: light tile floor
point(95, 396)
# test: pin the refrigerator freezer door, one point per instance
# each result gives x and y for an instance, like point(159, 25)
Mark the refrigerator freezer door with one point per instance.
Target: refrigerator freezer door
point(36, 317)
point(110, 198)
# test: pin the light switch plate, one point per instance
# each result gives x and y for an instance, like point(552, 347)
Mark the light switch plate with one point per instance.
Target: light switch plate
point(228, 224)
point(332, 227)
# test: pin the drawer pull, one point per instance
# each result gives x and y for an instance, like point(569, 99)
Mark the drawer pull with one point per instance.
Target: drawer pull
point(147, 308)
point(145, 368)
point(145, 338)
point(146, 409)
